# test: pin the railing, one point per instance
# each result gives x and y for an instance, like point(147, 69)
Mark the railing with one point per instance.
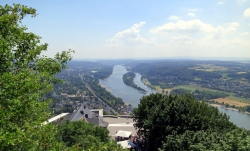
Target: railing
point(118, 116)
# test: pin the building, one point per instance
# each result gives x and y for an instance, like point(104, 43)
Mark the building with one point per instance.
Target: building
point(94, 116)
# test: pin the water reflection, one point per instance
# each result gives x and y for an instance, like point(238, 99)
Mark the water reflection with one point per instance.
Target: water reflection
point(240, 119)
point(115, 84)
point(132, 96)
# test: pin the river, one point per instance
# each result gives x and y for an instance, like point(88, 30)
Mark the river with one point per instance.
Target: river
point(128, 94)
point(115, 84)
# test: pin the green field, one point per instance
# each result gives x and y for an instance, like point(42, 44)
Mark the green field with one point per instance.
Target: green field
point(238, 99)
point(195, 87)
point(197, 79)
point(158, 88)
point(224, 76)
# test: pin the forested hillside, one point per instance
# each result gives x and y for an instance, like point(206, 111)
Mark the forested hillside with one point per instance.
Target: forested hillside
point(128, 79)
point(227, 76)
point(99, 70)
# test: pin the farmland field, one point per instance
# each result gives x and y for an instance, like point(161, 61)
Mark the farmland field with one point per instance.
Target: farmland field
point(196, 87)
point(231, 102)
point(209, 68)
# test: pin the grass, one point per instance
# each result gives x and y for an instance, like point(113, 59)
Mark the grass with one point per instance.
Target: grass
point(241, 72)
point(158, 88)
point(244, 81)
point(224, 76)
point(209, 68)
point(195, 87)
point(231, 102)
point(238, 99)
point(197, 79)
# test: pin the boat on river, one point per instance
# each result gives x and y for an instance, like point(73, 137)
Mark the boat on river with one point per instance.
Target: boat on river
point(144, 92)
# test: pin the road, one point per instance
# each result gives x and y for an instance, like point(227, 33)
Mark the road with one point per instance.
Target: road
point(93, 92)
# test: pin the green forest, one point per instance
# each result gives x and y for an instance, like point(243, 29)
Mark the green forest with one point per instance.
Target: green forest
point(167, 74)
point(99, 70)
point(179, 122)
point(201, 95)
point(128, 79)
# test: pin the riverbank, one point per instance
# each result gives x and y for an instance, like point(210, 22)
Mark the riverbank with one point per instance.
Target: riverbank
point(133, 96)
point(231, 100)
point(147, 83)
point(128, 79)
point(217, 105)
point(233, 109)
point(157, 88)
point(105, 87)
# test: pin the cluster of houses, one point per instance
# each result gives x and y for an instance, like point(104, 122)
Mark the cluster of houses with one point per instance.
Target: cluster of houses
point(240, 89)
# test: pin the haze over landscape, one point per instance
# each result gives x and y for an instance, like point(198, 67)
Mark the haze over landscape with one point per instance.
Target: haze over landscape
point(145, 75)
point(143, 29)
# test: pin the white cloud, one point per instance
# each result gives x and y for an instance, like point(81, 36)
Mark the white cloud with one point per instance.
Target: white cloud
point(196, 38)
point(241, 1)
point(220, 3)
point(247, 12)
point(185, 26)
point(193, 9)
point(191, 38)
point(194, 26)
point(232, 26)
point(180, 38)
point(245, 33)
point(191, 14)
point(193, 30)
point(128, 37)
point(174, 17)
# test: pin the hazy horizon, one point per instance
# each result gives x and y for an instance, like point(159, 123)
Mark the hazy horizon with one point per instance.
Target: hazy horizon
point(170, 58)
point(142, 29)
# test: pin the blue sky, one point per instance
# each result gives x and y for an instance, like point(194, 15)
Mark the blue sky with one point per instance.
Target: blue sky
point(142, 29)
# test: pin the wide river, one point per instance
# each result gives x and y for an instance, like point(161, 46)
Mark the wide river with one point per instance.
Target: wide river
point(115, 84)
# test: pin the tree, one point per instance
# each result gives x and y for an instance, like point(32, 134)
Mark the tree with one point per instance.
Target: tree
point(197, 91)
point(72, 133)
point(25, 77)
point(161, 118)
point(238, 139)
point(86, 136)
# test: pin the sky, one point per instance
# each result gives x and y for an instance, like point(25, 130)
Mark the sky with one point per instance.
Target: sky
point(142, 29)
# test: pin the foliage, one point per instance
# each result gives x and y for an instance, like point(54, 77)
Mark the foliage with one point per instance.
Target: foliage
point(201, 95)
point(99, 70)
point(72, 133)
point(104, 72)
point(170, 73)
point(247, 76)
point(237, 139)
point(25, 77)
point(128, 79)
point(168, 120)
point(85, 136)
point(248, 109)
